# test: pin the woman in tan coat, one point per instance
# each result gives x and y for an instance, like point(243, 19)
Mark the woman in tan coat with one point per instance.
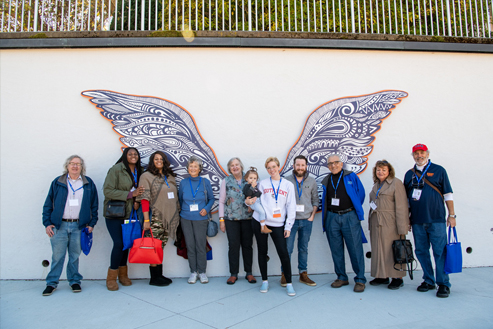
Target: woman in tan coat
point(388, 221)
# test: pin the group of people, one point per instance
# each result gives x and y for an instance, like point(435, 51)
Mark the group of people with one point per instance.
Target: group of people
point(279, 207)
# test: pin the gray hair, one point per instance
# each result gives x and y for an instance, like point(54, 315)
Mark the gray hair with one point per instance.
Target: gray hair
point(334, 155)
point(70, 158)
point(233, 159)
point(194, 158)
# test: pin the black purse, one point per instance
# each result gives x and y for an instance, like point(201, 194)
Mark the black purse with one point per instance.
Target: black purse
point(403, 255)
point(116, 209)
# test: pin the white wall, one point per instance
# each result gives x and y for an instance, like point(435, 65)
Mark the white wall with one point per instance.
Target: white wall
point(44, 119)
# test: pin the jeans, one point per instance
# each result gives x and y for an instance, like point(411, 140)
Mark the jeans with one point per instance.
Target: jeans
point(67, 237)
point(257, 206)
point(118, 255)
point(304, 229)
point(346, 228)
point(240, 233)
point(436, 235)
point(277, 236)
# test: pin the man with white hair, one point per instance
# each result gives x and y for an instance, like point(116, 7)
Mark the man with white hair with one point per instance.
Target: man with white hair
point(427, 187)
point(342, 213)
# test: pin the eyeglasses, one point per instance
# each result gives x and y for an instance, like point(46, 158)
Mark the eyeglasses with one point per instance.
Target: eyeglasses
point(335, 163)
point(75, 164)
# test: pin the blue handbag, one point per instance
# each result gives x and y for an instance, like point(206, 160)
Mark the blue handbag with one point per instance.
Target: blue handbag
point(131, 230)
point(453, 259)
point(85, 241)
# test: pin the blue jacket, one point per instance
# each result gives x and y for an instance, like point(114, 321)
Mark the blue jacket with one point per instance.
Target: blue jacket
point(355, 191)
point(57, 198)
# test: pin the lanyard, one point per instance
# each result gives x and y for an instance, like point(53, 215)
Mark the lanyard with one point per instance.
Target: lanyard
point(424, 172)
point(379, 189)
point(135, 176)
point(68, 180)
point(300, 190)
point(197, 190)
point(335, 188)
point(166, 181)
point(239, 184)
point(276, 194)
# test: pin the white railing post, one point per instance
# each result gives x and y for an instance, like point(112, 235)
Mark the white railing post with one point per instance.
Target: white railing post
point(249, 15)
point(449, 20)
point(36, 4)
point(142, 15)
point(353, 29)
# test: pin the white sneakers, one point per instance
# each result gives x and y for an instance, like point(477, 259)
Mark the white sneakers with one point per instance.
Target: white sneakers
point(203, 278)
point(193, 278)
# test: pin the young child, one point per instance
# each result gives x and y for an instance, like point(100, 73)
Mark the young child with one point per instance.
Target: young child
point(250, 190)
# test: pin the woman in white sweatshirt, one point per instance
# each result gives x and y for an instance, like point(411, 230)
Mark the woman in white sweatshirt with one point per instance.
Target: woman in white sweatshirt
point(279, 202)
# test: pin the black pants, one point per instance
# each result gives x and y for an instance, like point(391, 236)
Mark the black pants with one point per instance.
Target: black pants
point(118, 256)
point(277, 236)
point(240, 233)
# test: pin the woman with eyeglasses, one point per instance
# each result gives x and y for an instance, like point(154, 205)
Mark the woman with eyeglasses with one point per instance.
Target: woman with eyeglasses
point(121, 184)
point(388, 221)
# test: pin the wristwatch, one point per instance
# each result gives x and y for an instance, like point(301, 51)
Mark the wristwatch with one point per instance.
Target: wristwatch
point(453, 216)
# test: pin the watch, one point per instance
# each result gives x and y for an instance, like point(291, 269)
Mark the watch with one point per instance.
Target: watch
point(453, 216)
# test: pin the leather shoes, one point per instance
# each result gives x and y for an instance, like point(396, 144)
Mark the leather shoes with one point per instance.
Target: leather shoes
point(443, 291)
point(424, 287)
point(250, 278)
point(339, 283)
point(232, 279)
point(283, 280)
point(378, 281)
point(359, 287)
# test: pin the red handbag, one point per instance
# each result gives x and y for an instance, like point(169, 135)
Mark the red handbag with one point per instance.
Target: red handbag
point(146, 251)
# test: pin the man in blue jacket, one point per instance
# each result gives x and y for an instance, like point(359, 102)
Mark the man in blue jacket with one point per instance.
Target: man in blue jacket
point(342, 213)
point(71, 205)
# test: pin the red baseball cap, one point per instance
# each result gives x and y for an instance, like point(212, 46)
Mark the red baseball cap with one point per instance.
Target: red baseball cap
point(420, 147)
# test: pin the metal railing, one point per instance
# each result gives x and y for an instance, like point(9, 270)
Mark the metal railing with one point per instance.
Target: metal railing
point(459, 18)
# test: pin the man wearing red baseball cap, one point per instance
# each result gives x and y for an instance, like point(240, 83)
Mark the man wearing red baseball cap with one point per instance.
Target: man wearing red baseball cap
point(427, 187)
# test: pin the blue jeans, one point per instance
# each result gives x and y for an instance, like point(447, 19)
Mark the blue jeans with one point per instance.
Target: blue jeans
point(304, 228)
point(346, 228)
point(67, 237)
point(257, 206)
point(436, 235)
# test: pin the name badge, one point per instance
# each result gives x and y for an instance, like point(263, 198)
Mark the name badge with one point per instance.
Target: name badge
point(373, 205)
point(73, 202)
point(276, 213)
point(171, 195)
point(335, 202)
point(132, 189)
point(300, 208)
point(416, 194)
point(194, 207)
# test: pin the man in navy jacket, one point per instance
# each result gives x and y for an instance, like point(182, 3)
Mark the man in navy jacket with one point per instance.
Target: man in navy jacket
point(342, 213)
point(71, 205)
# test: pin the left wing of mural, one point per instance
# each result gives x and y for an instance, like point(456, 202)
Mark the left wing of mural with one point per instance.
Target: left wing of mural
point(151, 124)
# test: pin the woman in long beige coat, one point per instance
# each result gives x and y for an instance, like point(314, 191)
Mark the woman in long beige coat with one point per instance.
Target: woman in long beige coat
point(388, 221)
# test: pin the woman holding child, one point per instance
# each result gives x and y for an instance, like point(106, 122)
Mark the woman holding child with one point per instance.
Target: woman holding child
point(236, 220)
point(279, 202)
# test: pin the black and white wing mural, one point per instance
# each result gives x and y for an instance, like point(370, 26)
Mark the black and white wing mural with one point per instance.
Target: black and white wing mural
point(345, 126)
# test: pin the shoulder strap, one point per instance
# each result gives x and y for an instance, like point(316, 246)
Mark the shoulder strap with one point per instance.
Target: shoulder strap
point(428, 182)
point(158, 191)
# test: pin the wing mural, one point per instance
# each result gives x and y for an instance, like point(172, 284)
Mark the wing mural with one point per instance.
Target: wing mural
point(345, 126)
point(151, 124)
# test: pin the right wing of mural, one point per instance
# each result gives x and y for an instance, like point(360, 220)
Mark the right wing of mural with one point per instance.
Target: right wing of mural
point(151, 124)
point(345, 126)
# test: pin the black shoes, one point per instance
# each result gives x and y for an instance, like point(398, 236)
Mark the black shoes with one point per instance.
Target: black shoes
point(76, 287)
point(395, 284)
point(48, 290)
point(424, 287)
point(377, 281)
point(443, 291)
point(157, 278)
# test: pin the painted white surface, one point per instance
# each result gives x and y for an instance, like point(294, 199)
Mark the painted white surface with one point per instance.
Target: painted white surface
point(265, 94)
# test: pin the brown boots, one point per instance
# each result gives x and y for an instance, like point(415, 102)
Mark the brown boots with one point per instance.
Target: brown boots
point(111, 280)
point(121, 274)
point(265, 230)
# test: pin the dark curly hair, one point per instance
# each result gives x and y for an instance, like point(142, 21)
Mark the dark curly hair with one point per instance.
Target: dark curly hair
point(167, 170)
